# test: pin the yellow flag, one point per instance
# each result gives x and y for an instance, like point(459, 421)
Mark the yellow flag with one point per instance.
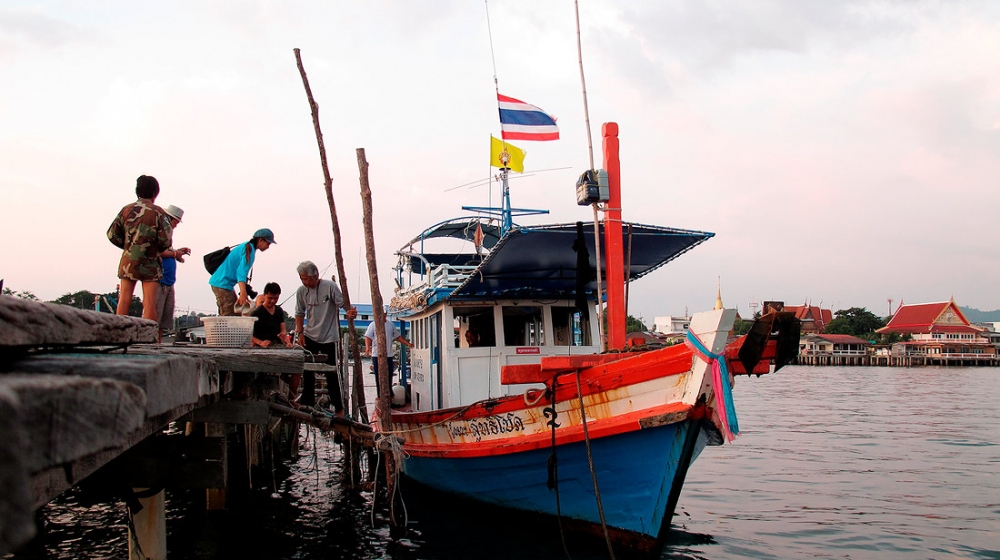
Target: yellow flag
point(515, 155)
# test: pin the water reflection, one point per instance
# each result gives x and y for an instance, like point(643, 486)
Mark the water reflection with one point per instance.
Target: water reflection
point(833, 462)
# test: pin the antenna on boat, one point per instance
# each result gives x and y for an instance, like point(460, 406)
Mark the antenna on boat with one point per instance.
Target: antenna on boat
point(595, 205)
point(505, 212)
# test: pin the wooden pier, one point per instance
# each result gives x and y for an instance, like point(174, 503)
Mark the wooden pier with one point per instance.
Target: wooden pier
point(887, 360)
point(87, 394)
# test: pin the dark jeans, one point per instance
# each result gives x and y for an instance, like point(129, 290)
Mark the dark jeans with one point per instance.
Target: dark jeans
point(378, 390)
point(332, 379)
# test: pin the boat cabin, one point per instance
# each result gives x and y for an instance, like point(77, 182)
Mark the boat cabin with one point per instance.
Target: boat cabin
point(493, 298)
point(474, 339)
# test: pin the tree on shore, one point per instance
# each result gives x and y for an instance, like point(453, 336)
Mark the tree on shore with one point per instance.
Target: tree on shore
point(856, 321)
point(20, 295)
point(742, 326)
point(632, 324)
point(84, 299)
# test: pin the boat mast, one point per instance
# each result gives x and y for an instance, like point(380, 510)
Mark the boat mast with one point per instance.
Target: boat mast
point(596, 206)
point(505, 210)
point(614, 255)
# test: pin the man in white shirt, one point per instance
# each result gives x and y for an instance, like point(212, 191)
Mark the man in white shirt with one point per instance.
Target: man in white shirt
point(371, 348)
point(317, 328)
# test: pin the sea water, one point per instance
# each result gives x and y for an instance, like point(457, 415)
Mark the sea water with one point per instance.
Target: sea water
point(833, 462)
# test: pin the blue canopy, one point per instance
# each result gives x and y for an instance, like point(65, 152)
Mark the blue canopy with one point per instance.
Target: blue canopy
point(539, 262)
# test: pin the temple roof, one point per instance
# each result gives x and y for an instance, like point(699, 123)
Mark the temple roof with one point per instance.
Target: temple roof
point(943, 316)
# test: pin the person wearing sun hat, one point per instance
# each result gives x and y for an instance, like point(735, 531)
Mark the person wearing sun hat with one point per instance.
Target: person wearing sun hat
point(170, 258)
point(235, 271)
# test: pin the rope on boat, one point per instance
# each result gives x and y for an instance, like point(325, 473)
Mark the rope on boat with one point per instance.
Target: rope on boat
point(533, 401)
point(416, 300)
point(552, 483)
point(720, 385)
point(394, 446)
point(590, 459)
point(458, 413)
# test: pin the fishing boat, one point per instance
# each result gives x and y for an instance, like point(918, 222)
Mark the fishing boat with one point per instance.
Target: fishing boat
point(516, 401)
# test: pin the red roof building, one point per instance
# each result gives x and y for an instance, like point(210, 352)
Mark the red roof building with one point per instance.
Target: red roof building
point(937, 329)
point(814, 319)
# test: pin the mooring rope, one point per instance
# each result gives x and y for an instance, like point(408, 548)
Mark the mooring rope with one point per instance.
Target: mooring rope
point(396, 448)
point(553, 462)
point(593, 472)
point(458, 413)
point(532, 402)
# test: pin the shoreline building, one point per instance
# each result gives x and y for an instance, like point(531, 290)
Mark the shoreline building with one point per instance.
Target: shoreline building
point(814, 319)
point(832, 350)
point(938, 331)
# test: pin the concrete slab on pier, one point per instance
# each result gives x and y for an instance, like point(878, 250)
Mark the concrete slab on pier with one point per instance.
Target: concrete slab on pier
point(248, 360)
point(65, 415)
point(168, 382)
point(33, 324)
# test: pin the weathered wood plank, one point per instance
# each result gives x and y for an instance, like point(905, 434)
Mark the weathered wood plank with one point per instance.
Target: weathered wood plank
point(31, 323)
point(248, 360)
point(321, 368)
point(64, 418)
point(168, 381)
point(16, 507)
point(54, 480)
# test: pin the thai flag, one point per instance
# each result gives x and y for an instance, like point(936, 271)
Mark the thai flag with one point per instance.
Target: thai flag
point(521, 121)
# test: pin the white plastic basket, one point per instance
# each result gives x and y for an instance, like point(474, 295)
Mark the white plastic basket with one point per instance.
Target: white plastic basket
point(230, 332)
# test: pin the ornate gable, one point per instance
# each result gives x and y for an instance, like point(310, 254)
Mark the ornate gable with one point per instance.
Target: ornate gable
point(951, 315)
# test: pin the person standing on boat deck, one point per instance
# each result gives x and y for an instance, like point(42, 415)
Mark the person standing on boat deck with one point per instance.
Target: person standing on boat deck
point(392, 334)
point(169, 258)
point(142, 231)
point(317, 328)
point(234, 271)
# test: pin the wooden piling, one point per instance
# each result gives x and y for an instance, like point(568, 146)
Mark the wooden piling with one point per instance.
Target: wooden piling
point(383, 403)
point(148, 530)
point(359, 407)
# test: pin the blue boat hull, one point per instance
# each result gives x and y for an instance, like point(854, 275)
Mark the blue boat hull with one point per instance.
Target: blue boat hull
point(639, 474)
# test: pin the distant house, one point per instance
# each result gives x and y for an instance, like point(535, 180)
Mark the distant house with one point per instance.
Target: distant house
point(671, 325)
point(938, 330)
point(814, 319)
point(833, 345)
point(648, 339)
point(991, 330)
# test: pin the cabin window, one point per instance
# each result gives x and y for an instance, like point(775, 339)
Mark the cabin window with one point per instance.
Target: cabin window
point(569, 327)
point(522, 326)
point(474, 327)
point(417, 337)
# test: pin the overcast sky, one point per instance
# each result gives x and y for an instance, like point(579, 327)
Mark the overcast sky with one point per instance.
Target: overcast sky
point(842, 152)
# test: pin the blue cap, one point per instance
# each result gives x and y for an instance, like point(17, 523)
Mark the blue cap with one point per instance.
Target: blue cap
point(265, 234)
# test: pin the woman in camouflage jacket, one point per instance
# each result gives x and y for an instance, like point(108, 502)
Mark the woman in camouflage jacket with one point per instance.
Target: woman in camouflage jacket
point(142, 229)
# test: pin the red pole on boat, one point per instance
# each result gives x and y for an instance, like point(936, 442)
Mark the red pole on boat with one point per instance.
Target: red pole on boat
point(613, 255)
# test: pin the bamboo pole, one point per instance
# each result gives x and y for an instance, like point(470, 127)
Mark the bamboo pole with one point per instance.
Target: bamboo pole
point(383, 408)
point(359, 408)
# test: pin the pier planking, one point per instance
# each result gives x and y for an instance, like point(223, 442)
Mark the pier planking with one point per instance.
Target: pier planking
point(81, 389)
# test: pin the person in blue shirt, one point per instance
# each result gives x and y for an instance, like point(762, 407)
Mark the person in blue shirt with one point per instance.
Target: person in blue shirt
point(170, 258)
point(235, 270)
